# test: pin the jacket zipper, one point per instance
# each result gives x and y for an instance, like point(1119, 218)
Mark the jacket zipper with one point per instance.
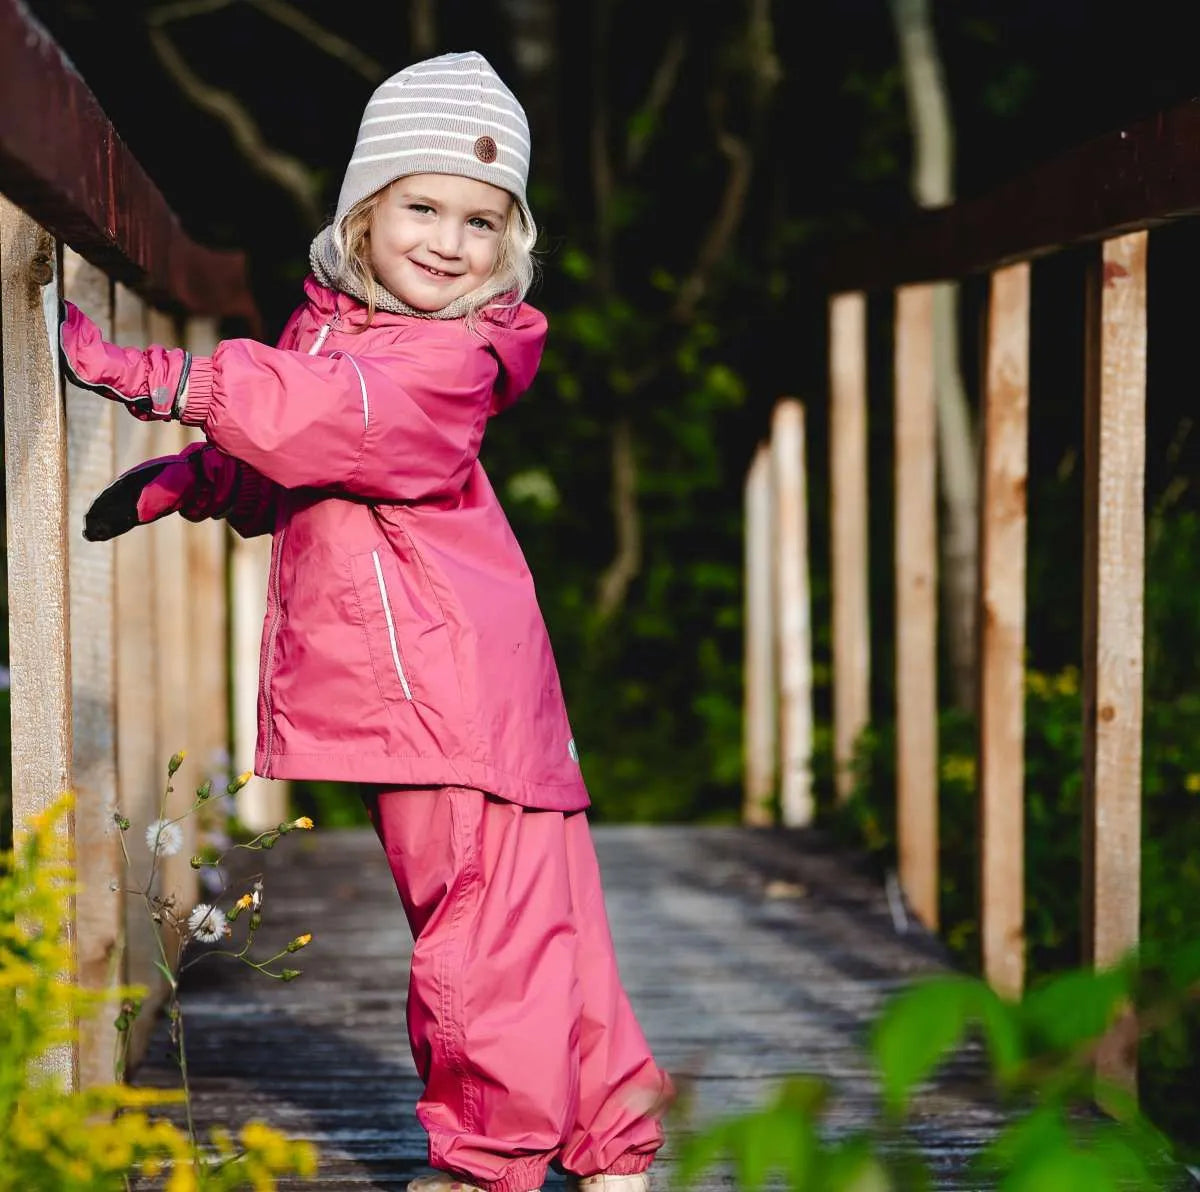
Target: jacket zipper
point(270, 659)
point(387, 612)
point(322, 336)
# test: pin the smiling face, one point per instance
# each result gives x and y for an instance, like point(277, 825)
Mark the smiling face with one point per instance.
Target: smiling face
point(436, 237)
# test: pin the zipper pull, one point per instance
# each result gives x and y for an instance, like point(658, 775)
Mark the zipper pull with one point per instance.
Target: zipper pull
point(322, 335)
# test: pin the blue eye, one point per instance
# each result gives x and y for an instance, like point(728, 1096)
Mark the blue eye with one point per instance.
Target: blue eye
point(420, 208)
point(483, 224)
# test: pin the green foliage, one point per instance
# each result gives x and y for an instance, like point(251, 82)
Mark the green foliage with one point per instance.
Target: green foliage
point(1041, 1054)
point(1170, 1059)
point(331, 804)
point(88, 1141)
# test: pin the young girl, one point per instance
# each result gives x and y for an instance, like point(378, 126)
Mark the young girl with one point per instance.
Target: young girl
point(403, 647)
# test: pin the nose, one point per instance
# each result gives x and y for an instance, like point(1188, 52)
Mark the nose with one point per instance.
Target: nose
point(446, 238)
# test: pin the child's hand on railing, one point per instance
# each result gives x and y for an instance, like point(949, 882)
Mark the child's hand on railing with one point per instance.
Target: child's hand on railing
point(151, 382)
point(199, 482)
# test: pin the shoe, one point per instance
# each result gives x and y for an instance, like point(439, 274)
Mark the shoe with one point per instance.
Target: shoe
point(443, 1181)
point(638, 1182)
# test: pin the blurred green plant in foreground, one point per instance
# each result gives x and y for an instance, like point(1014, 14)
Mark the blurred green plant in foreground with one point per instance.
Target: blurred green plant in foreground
point(1041, 1054)
point(97, 1139)
point(1170, 893)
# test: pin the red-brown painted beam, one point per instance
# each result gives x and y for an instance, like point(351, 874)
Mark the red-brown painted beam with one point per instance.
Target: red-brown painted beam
point(1139, 176)
point(63, 162)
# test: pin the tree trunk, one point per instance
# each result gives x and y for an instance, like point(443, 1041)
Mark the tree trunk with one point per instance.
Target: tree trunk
point(932, 184)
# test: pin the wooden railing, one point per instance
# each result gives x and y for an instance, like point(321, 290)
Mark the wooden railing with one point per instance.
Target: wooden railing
point(1106, 194)
point(119, 652)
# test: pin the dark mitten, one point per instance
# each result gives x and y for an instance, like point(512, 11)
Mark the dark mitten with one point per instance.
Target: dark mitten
point(183, 483)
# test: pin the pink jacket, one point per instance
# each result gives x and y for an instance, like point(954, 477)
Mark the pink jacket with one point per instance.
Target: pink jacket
point(403, 642)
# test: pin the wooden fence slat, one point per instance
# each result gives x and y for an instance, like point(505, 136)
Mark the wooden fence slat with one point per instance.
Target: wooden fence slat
point(35, 453)
point(849, 575)
point(208, 637)
point(916, 602)
point(793, 613)
point(1002, 632)
point(173, 635)
point(99, 867)
point(761, 707)
point(1114, 551)
point(260, 804)
point(140, 770)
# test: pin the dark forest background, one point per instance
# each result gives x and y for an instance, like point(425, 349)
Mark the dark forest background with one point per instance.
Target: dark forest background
point(688, 160)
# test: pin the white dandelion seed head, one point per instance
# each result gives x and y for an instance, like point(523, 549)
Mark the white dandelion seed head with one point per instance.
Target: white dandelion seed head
point(164, 838)
point(207, 923)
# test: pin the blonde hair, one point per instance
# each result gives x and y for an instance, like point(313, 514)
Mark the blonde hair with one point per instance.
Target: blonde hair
point(515, 265)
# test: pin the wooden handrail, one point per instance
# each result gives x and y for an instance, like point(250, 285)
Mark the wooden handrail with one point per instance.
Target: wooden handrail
point(1145, 174)
point(64, 164)
point(1107, 193)
point(117, 650)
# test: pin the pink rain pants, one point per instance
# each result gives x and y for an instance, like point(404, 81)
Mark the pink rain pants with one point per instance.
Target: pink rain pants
point(519, 1025)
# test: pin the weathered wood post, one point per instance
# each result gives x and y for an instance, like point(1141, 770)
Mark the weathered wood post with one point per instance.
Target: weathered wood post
point(1113, 591)
point(174, 632)
point(35, 454)
point(141, 770)
point(261, 804)
point(206, 544)
point(1002, 632)
point(91, 429)
point(761, 705)
point(916, 602)
point(794, 613)
point(848, 537)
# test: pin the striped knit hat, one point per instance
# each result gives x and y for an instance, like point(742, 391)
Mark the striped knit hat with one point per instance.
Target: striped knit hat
point(446, 115)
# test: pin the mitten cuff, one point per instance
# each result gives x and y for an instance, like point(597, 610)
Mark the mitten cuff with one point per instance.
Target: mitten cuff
point(254, 490)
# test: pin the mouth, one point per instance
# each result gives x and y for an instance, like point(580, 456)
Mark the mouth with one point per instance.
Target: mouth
point(438, 274)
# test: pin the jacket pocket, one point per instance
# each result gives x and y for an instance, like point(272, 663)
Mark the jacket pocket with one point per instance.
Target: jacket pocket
point(376, 596)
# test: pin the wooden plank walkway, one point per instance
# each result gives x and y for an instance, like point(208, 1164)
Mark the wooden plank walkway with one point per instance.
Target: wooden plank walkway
point(748, 954)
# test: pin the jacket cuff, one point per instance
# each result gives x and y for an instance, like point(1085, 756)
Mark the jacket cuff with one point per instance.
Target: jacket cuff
point(199, 392)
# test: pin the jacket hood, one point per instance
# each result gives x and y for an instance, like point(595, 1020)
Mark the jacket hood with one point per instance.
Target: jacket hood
point(516, 335)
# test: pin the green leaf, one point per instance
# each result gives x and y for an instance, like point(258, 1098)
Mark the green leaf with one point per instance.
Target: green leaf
point(1002, 1031)
point(1132, 1156)
point(1074, 1007)
point(1060, 1170)
point(918, 1029)
point(851, 1166)
point(804, 1096)
point(1015, 1145)
point(754, 1142)
point(698, 1152)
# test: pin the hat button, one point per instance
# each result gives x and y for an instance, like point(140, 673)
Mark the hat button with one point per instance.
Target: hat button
point(485, 150)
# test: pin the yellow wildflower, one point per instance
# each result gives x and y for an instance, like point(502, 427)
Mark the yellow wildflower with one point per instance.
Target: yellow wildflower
point(1192, 784)
point(303, 822)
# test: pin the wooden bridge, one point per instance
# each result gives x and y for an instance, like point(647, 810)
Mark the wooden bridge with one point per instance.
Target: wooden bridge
point(749, 952)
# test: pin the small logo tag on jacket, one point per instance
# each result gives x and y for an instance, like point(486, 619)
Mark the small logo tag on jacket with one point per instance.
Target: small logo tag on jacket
point(572, 751)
